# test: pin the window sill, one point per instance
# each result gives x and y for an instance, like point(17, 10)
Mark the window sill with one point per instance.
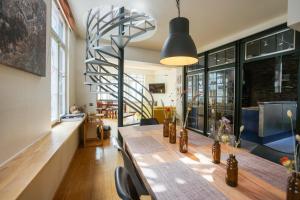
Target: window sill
point(19, 172)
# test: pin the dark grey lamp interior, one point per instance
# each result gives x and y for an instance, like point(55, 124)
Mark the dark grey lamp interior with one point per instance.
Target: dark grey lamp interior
point(179, 48)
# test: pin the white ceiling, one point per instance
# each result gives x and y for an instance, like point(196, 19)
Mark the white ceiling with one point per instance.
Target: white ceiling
point(210, 20)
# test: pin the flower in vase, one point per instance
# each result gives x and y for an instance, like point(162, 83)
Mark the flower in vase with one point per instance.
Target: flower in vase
point(297, 137)
point(168, 109)
point(242, 128)
point(225, 138)
point(287, 163)
point(289, 113)
point(212, 111)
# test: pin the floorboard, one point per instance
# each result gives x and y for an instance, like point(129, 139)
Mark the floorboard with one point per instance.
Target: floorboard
point(91, 172)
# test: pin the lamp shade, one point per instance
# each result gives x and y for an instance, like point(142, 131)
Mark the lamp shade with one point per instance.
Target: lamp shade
point(179, 48)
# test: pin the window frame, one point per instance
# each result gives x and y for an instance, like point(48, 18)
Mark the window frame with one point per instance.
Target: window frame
point(62, 44)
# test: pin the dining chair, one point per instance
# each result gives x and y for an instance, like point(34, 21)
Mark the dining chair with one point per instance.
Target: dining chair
point(141, 189)
point(125, 187)
point(150, 121)
point(269, 153)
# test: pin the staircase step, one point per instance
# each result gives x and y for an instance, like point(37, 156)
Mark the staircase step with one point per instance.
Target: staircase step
point(108, 50)
point(120, 40)
point(99, 62)
point(102, 92)
point(90, 83)
point(99, 73)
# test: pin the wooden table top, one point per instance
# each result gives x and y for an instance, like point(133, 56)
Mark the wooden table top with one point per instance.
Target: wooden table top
point(169, 174)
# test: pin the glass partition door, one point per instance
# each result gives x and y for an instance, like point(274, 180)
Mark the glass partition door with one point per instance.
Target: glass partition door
point(221, 96)
point(195, 87)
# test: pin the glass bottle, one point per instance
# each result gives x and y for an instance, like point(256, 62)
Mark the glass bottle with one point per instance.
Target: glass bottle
point(172, 132)
point(293, 187)
point(232, 171)
point(216, 152)
point(166, 127)
point(183, 141)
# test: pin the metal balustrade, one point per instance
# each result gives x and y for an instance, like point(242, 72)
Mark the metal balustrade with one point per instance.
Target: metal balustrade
point(103, 58)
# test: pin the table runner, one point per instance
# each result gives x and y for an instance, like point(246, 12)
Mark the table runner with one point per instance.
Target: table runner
point(144, 145)
point(184, 183)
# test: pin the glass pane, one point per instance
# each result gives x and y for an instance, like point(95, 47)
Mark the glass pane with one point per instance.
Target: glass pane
point(201, 61)
point(189, 89)
point(62, 82)
point(253, 49)
point(54, 80)
point(57, 23)
point(221, 96)
point(221, 58)
point(285, 40)
point(268, 45)
point(230, 55)
point(212, 60)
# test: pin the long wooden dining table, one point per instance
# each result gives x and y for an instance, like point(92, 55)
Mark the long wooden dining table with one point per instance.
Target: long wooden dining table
point(169, 174)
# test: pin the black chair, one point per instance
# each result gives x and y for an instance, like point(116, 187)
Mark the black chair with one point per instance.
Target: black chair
point(137, 182)
point(150, 121)
point(124, 185)
point(270, 154)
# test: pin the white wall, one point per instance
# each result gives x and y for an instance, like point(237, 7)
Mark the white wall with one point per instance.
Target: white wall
point(47, 181)
point(294, 14)
point(24, 106)
point(25, 103)
point(167, 76)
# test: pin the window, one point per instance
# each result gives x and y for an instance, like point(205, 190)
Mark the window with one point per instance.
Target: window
point(281, 41)
point(222, 57)
point(58, 64)
point(134, 87)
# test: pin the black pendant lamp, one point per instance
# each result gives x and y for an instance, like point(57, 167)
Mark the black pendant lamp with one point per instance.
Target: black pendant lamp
point(179, 48)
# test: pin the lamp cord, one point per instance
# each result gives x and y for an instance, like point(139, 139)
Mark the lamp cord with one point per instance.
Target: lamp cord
point(178, 7)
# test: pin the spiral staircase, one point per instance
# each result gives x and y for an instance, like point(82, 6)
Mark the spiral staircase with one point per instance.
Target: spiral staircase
point(108, 33)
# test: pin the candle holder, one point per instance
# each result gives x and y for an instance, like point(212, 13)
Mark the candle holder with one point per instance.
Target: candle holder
point(232, 171)
point(293, 186)
point(166, 127)
point(216, 152)
point(172, 132)
point(183, 141)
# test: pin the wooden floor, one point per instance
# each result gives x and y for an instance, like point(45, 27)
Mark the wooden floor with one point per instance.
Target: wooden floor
point(91, 173)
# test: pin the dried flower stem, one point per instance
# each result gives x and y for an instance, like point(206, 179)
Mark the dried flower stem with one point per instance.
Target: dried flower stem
point(186, 117)
point(295, 145)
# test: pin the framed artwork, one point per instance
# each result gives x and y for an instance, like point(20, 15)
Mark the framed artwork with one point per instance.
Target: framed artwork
point(23, 35)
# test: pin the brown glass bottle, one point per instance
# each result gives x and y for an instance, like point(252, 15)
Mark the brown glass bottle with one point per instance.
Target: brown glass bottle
point(166, 127)
point(232, 171)
point(216, 152)
point(172, 132)
point(293, 187)
point(183, 141)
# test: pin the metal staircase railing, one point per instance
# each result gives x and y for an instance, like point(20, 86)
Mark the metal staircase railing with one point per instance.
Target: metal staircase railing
point(102, 58)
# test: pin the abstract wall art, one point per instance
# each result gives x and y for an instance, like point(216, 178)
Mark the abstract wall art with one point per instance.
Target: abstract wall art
point(23, 35)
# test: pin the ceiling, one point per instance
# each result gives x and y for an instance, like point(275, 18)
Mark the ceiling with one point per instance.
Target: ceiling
point(210, 20)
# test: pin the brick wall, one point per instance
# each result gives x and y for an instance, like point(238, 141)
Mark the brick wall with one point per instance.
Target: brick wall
point(259, 80)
